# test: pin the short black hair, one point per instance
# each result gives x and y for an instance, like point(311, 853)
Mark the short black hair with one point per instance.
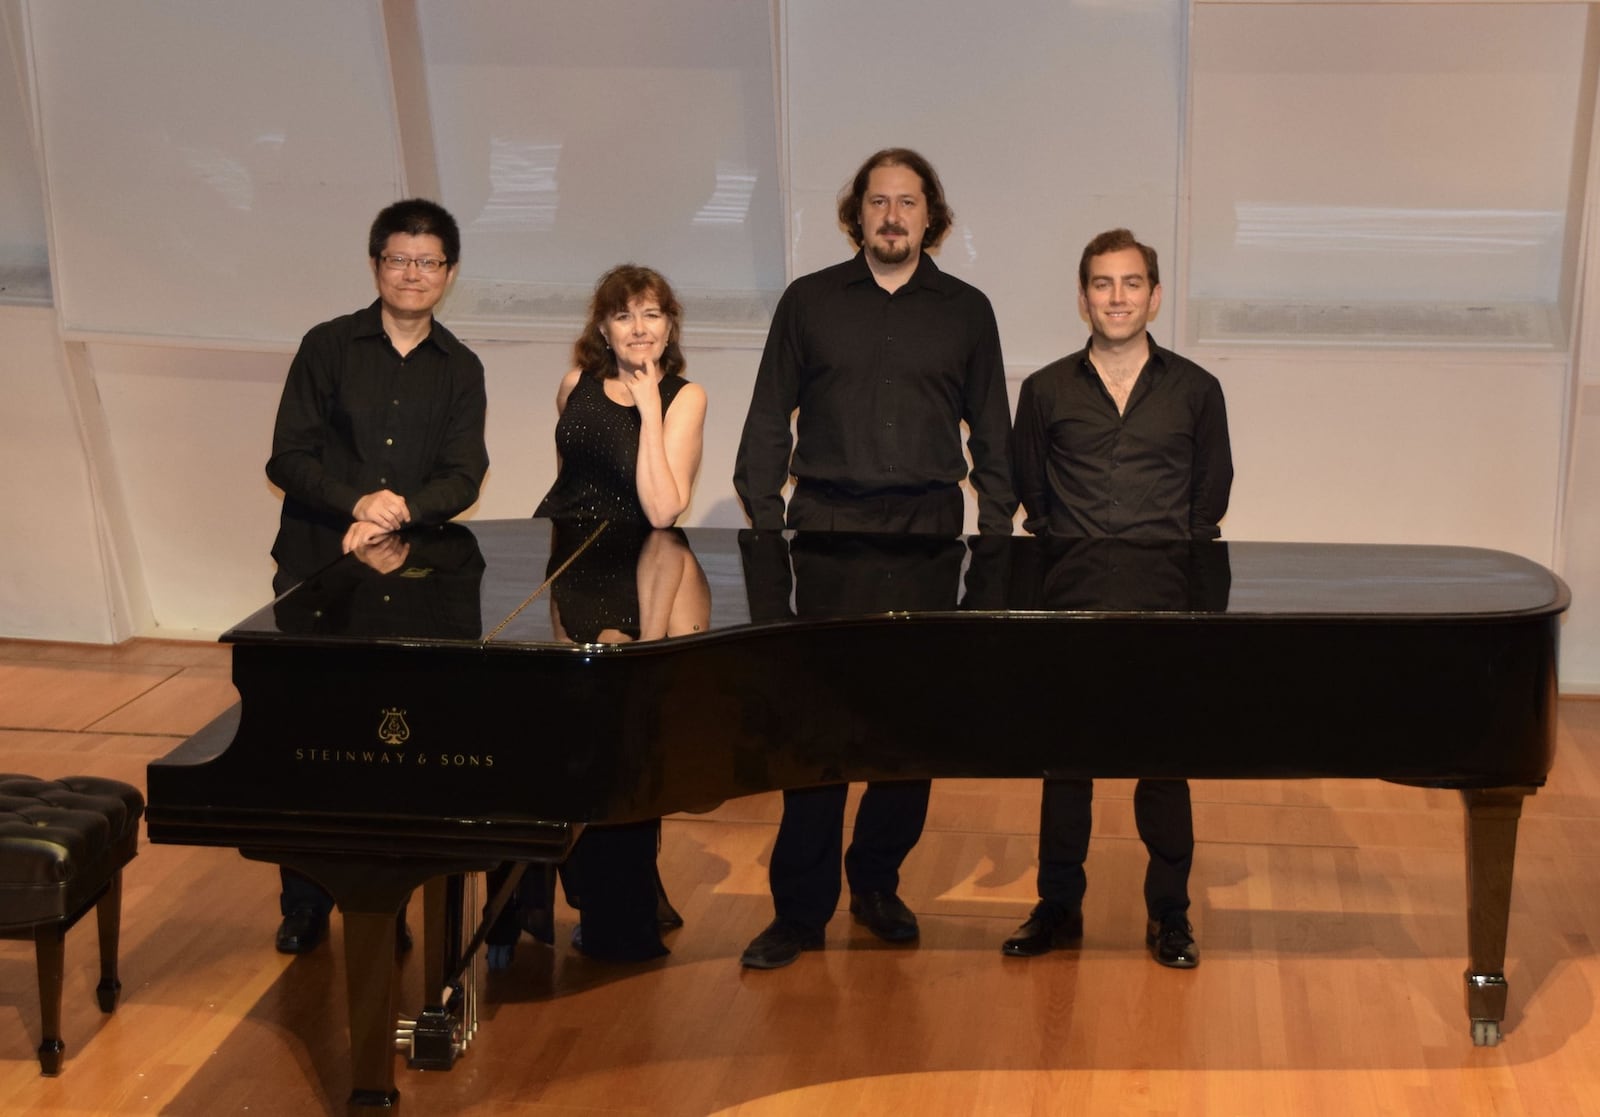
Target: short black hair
point(415, 217)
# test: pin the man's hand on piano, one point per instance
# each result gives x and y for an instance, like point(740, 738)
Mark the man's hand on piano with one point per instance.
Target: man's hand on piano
point(384, 553)
point(384, 508)
point(361, 534)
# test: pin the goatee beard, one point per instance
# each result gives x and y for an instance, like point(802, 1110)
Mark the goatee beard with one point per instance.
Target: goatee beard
point(886, 254)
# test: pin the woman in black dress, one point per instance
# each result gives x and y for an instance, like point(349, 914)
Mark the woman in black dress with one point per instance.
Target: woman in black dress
point(631, 428)
point(629, 437)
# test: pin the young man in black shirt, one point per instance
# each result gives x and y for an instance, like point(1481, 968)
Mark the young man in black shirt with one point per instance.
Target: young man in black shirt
point(884, 357)
point(380, 426)
point(1121, 440)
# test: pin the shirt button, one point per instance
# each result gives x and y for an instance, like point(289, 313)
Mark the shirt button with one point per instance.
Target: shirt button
point(388, 442)
point(395, 402)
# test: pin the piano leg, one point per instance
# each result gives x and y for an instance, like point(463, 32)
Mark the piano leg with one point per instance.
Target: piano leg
point(369, 893)
point(1492, 815)
point(369, 984)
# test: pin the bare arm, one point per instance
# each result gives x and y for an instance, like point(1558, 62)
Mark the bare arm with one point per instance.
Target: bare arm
point(670, 445)
point(674, 597)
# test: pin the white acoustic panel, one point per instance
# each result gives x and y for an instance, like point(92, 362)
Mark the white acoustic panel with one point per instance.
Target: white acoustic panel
point(1382, 153)
point(24, 256)
point(212, 168)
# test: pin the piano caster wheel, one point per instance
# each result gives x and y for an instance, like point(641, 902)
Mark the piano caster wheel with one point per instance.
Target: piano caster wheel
point(1485, 1033)
point(499, 957)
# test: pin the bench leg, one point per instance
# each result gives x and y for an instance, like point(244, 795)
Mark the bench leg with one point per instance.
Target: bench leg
point(108, 914)
point(49, 951)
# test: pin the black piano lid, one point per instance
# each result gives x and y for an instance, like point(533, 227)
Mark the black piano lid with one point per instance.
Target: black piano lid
point(504, 566)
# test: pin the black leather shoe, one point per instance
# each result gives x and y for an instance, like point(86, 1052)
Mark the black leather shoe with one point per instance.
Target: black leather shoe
point(1171, 942)
point(780, 944)
point(884, 915)
point(1047, 928)
point(300, 931)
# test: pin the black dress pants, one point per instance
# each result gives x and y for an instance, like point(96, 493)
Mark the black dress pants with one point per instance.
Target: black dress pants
point(805, 858)
point(834, 574)
point(1161, 810)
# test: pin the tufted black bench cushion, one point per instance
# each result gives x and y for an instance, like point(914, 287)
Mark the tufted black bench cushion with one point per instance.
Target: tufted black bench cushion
point(63, 844)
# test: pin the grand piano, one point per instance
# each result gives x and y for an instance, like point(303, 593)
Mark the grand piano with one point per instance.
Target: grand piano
point(467, 698)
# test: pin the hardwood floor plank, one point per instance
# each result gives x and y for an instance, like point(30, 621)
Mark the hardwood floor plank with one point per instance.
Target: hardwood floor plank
point(180, 704)
point(70, 696)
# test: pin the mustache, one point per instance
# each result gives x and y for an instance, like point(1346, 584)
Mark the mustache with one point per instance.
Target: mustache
point(892, 228)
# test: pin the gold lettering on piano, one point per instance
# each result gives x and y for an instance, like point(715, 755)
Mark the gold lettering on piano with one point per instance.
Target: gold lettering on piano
point(392, 758)
point(354, 756)
point(393, 730)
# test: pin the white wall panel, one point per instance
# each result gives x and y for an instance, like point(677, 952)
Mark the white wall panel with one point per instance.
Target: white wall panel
point(212, 167)
point(52, 574)
point(1387, 448)
point(1580, 636)
point(1412, 152)
point(190, 434)
point(24, 258)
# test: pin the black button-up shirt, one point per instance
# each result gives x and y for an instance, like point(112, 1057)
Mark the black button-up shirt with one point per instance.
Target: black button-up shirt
point(1161, 469)
point(357, 417)
point(882, 382)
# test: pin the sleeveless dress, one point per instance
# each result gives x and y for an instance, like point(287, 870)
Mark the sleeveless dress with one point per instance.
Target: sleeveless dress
point(610, 876)
point(598, 439)
point(599, 443)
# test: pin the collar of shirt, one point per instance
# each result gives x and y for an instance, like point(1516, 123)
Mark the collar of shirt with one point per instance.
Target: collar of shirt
point(369, 323)
point(1155, 365)
point(927, 274)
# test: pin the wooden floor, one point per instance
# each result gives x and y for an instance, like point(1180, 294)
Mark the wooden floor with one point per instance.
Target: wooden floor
point(1330, 917)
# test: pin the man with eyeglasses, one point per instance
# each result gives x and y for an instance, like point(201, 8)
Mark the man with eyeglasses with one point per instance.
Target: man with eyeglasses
point(380, 426)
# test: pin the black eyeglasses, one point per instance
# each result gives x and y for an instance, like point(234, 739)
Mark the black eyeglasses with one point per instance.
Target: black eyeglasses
point(427, 265)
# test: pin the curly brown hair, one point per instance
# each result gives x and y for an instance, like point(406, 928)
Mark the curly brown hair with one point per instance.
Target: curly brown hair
point(616, 289)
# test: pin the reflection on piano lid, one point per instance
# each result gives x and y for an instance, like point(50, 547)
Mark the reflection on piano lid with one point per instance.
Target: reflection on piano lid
point(510, 566)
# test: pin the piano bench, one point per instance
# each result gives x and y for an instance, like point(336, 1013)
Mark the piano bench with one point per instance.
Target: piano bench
point(63, 844)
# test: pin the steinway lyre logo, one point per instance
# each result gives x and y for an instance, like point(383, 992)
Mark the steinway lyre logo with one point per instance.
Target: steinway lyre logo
point(393, 730)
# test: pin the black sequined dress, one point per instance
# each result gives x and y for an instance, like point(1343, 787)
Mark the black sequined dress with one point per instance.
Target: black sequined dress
point(598, 440)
